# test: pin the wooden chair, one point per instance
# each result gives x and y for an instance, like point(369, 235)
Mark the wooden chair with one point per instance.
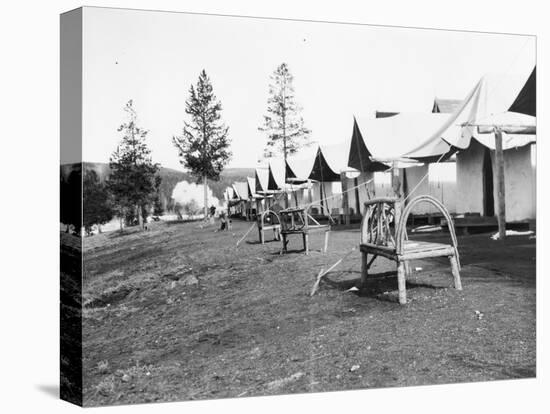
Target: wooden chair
point(384, 233)
point(299, 221)
point(269, 220)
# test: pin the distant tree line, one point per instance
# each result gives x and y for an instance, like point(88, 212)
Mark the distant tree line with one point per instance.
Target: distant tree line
point(132, 191)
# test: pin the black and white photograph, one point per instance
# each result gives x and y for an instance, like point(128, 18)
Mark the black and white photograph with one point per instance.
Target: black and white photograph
point(288, 206)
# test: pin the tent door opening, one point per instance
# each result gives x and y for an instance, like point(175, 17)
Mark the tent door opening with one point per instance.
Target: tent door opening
point(488, 191)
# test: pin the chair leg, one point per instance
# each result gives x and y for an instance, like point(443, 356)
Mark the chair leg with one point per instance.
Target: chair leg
point(408, 268)
point(456, 273)
point(262, 237)
point(401, 283)
point(326, 241)
point(284, 243)
point(364, 268)
point(306, 243)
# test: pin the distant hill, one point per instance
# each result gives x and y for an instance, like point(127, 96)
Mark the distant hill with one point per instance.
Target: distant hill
point(170, 178)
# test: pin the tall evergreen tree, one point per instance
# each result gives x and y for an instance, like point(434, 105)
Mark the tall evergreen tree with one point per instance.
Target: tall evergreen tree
point(158, 207)
point(283, 123)
point(204, 146)
point(132, 181)
point(96, 208)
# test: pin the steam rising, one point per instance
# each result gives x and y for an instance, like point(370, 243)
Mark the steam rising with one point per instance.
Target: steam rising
point(184, 192)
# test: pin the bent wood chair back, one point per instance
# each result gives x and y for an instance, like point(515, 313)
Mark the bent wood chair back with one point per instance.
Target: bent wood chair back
point(324, 212)
point(402, 227)
point(384, 233)
point(379, 221)
point(269, 220)
point(300, 221)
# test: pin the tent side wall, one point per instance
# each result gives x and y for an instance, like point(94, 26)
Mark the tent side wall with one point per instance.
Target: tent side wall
point(519, 184)
point(469, 179)
point(440, 183)
point(414, 177)
point(332, 196)
point(519, 178)
point(380, 185)
point(443, 186)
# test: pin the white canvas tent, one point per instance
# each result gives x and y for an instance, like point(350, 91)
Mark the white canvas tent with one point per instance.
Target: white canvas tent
point(485, 106)
point(328, 173)
point(495, 162)
point(385, 140)
point(405, 132)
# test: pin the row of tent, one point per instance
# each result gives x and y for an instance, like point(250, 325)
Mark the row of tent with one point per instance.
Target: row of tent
point(416, 145)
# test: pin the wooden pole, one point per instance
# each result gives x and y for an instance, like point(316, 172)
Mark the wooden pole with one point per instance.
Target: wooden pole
point(395, 180)
point(499, 162)
point(321, 196)
point(345, 199)
point(357, 201)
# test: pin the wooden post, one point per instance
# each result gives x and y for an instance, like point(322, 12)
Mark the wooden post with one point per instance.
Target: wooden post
point(395, 180)
point(456, 273)
point(286, 198)
point(401, 283)
point(345, 199)
point(321, 196)
point(364, 268)
point(499, 162)
point(357, 201)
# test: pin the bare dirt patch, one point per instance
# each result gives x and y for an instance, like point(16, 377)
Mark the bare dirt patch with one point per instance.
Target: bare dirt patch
point(249, 327)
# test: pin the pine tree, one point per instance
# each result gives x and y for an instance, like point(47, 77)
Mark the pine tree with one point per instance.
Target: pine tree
point(96, 208)
point(158, 208)
point(132, 179)
point(204, 146)
point(283, 123)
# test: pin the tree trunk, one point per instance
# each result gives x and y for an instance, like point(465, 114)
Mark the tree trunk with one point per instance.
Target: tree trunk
point(140, 217)
point(205, 185)
point(99, 229)
point(121, 227)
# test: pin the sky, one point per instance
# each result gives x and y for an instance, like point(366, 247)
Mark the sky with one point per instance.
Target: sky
point(340, 71)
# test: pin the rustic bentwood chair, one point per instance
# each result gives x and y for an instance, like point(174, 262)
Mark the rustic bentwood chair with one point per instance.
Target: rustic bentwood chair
point(299, 221)
point(269, 220)
point(384, 233)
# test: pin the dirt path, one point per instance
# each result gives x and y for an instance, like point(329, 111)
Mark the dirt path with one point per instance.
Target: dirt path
point(178, 313)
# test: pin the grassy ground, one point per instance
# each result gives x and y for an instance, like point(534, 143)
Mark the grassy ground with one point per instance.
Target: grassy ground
point(178, 313)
